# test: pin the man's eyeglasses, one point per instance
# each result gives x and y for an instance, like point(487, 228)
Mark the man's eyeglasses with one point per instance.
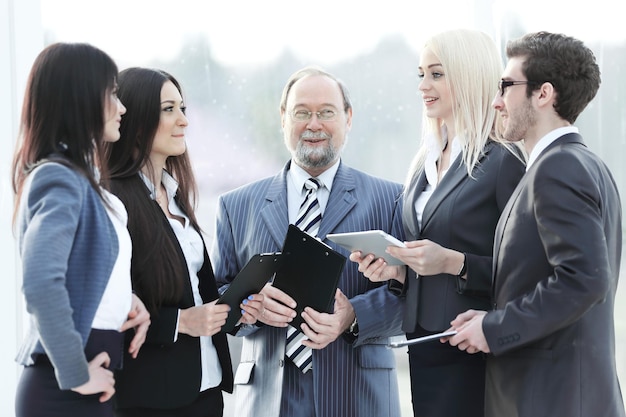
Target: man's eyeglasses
point(302, 115)
point(503, 84)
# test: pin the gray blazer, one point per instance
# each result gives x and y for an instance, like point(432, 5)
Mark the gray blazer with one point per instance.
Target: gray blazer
point(350, 379)
point(68, 247)
point(556, 266)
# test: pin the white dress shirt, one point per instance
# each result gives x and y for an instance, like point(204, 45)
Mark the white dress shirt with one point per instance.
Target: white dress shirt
point(430, 168)
point(117, 298)
point(193, 249)
point(296, 177)
point(545, 141)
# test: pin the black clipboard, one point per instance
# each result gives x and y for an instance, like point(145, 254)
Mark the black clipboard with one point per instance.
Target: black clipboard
point(309, 272)
point(250, 280)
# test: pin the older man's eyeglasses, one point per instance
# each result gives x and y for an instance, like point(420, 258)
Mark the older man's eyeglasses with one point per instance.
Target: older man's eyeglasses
point(503, 84)
point(302, 115)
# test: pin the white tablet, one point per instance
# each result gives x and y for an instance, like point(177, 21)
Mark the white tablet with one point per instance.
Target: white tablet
point(370, 241)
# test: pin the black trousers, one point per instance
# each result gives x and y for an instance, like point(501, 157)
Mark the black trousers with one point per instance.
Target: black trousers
point(446, 381)
point(38, 392)
point(209, 403)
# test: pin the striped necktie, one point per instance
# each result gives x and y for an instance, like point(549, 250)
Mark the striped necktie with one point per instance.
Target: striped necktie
point(308, 220)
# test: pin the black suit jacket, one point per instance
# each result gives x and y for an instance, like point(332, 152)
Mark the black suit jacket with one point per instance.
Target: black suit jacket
point(556, 267)
point(167, 374)
point(461, 214)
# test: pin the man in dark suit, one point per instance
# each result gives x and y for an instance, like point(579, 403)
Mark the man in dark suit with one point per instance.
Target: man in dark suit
point(353, 373)
point(557, 248)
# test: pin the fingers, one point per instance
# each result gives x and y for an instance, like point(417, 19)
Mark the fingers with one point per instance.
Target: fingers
point(101, 380)
point(137, 315)
point(204, 320)
point(108, 393)
point(102, 359)
point(374, 269)
point(463, 318)
point(324, 328)
point(417, 243)
point(320, 328)
point(251, 308)
point(356, 256)
point(470, 336)
point(141, 332)
point(277, 307)
point(340, 298)
point(278, 296)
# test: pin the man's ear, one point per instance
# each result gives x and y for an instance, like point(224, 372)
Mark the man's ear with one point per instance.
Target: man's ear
point(546, 95)
point(349, 118)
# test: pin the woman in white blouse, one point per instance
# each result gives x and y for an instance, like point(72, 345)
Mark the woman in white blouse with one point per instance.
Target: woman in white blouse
point(185, 364)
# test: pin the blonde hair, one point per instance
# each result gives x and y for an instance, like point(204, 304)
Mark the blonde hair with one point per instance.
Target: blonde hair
point(472, 66)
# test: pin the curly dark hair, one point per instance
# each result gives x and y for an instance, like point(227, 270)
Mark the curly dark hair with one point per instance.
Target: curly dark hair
point(564, 62)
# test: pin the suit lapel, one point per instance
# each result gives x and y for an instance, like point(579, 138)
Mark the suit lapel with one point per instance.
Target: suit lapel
point(504, 218)
point(274, 213)
point(417, 185)
point(450, 181)
point(568, 138)
point(341, 200)
point(506, 213)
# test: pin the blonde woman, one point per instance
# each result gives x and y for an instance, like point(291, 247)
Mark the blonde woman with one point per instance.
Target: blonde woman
point(456, 188)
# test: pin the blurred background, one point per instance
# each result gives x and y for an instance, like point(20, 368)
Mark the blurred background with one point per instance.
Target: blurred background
point(233, 58)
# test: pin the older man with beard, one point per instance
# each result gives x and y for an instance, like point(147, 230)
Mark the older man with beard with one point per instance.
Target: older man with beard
point(352, 373)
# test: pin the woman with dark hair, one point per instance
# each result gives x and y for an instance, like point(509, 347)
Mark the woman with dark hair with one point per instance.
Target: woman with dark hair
point(185, 363)
point(73, 241)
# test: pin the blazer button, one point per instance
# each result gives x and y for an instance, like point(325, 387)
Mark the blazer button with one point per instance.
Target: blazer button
point(281, 363)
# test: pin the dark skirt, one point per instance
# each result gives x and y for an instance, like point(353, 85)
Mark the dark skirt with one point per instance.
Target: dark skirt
point(209, 403)
point(39, 395)
point(446, 382)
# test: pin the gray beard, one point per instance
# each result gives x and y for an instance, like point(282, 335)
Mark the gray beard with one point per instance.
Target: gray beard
point(314, 157)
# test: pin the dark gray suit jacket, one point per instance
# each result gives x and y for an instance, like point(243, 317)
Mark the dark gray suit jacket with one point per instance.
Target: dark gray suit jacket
point(556, 266)
point(461, 214)
point(350, 379)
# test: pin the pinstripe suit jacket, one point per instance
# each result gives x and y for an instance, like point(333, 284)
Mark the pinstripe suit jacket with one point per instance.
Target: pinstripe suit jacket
point(350, 379)
point(68, 247)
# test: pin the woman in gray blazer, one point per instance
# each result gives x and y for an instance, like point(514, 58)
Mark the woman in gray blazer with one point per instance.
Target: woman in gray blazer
point(456, 189)
point(72, 238)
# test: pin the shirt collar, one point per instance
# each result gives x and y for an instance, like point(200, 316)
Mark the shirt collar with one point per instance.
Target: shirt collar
point(545, 141)
point(434, 148)
point(170, 184)
point(299, 175)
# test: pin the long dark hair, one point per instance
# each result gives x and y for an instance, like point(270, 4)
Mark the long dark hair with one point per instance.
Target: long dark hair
point(156, 264)
point(63, 111)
